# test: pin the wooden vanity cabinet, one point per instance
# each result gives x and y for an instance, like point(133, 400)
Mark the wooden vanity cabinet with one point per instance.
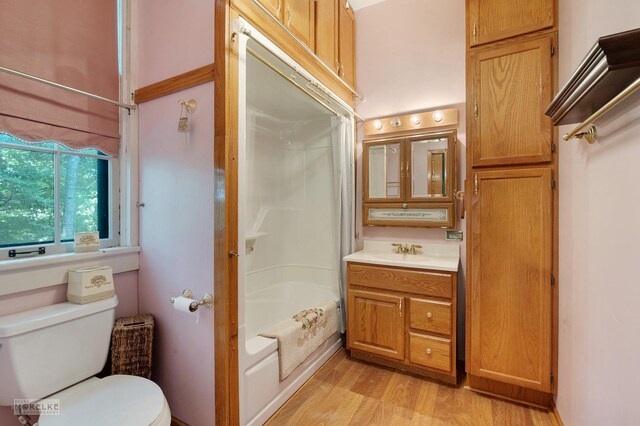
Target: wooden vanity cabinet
point(403, 318)
point(510, 88)
point(493, 20)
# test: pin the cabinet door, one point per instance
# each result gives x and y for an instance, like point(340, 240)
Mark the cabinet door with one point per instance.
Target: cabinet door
point(347, 41)
point(384, 171)
point(376, 323)
point(327, 32)
point(299, 18)
point(510, 89)
point(274, 7)
point(492, 20)
point(509, 289)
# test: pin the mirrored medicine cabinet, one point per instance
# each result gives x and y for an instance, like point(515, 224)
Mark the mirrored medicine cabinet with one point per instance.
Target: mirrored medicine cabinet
point(410, 180)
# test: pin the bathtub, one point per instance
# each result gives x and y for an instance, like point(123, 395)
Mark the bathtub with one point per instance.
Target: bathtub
point(261, 390)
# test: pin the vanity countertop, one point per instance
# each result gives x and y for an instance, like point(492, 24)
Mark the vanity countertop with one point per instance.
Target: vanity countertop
point(439, 257)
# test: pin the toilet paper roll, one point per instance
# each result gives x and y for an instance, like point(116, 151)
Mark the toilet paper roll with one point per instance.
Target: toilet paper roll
point(183, 304)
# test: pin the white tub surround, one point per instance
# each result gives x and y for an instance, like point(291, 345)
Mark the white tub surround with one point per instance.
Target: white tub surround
point(438, 257)
point(295, 192)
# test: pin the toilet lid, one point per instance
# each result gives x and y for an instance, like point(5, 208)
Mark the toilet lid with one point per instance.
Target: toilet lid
point(114, 400)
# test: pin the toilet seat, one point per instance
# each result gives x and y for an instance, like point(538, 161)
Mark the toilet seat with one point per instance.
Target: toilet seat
point(114, 400)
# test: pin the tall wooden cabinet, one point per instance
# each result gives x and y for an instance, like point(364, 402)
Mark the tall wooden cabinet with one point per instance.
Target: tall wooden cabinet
point(510, 269)
point(493, 20)
point(511, 86)
point(511, 196)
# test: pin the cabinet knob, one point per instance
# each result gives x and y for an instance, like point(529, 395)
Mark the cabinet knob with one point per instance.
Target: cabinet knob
point(429, 315)
point(428, 351)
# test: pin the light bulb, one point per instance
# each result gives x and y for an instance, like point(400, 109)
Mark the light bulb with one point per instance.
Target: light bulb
point(437, 116)
point(377, 124)
point(415, 120)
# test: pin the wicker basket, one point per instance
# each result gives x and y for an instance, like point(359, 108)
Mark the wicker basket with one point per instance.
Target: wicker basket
point(132, 346)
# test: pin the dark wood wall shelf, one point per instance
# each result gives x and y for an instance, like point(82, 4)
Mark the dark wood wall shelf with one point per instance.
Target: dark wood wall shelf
point(610, 66)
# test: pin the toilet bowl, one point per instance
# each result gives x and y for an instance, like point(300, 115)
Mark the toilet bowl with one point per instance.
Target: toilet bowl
point(114, 400)
point(52, 353)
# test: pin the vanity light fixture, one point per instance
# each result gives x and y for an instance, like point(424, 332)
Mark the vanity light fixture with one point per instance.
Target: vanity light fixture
point(414, 121)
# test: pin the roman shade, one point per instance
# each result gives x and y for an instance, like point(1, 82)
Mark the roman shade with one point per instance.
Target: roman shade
point(70, 42)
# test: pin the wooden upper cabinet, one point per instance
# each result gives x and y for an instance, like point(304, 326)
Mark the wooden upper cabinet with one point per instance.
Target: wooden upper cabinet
point(274, 7)
point(493, 20)
point(299, 18)
point(510, 88)
point(376, 323)
point(509, 299)
point(327, 33)
point(347, 41)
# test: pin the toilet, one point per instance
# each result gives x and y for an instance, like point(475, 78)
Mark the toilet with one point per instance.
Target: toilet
point(53, 352)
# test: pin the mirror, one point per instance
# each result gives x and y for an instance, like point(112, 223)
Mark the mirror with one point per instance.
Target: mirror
point(384, 162)
point(411, 180)
point(429, 168)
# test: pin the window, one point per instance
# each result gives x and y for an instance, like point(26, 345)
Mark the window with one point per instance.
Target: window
point(49, 192)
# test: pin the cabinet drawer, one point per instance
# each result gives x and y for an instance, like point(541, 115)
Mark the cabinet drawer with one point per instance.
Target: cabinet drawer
point(430, 351)
point(430, 316)
point(410, 281)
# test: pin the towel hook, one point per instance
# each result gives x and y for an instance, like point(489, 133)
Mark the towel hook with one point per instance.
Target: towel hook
point(189, 105)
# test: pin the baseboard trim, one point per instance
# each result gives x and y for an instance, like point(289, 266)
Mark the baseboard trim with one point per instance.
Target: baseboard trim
point(509, 392)
point(178, 422)
point(555, 416)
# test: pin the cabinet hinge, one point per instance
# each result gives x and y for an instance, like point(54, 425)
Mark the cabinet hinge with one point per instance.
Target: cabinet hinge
point(553, 148)
point(553, 50)
point(553, 280)
point(552, 378)
point(553, 184)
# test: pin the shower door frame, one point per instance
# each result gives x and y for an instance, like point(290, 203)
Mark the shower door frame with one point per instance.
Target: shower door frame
point(226, 86)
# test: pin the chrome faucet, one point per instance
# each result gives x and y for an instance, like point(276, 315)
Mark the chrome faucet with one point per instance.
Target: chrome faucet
point(406, 249)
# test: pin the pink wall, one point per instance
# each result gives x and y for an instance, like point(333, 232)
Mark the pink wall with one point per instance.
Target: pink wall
point(176, 236)
point(173, 37)
point(417, 62)
point(176, 185)
point(126, 285)
point(599, 234)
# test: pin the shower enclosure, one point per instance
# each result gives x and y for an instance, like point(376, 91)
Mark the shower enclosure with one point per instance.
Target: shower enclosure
point(295, 215)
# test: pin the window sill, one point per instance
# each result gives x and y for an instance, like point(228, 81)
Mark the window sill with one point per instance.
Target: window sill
point(38, 272)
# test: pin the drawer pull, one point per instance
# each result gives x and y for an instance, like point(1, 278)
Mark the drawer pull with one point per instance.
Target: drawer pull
point(428, 351)
point(429, 315)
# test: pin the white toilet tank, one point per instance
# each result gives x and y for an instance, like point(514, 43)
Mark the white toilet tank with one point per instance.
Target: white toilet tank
point(45, 350)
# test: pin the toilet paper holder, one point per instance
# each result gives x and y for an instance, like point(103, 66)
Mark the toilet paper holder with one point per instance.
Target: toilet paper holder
point(207, 300)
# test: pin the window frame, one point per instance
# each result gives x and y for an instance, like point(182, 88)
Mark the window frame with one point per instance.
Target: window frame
point(58, 246)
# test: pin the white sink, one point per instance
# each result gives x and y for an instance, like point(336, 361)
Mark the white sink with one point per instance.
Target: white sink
point(439, 257)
